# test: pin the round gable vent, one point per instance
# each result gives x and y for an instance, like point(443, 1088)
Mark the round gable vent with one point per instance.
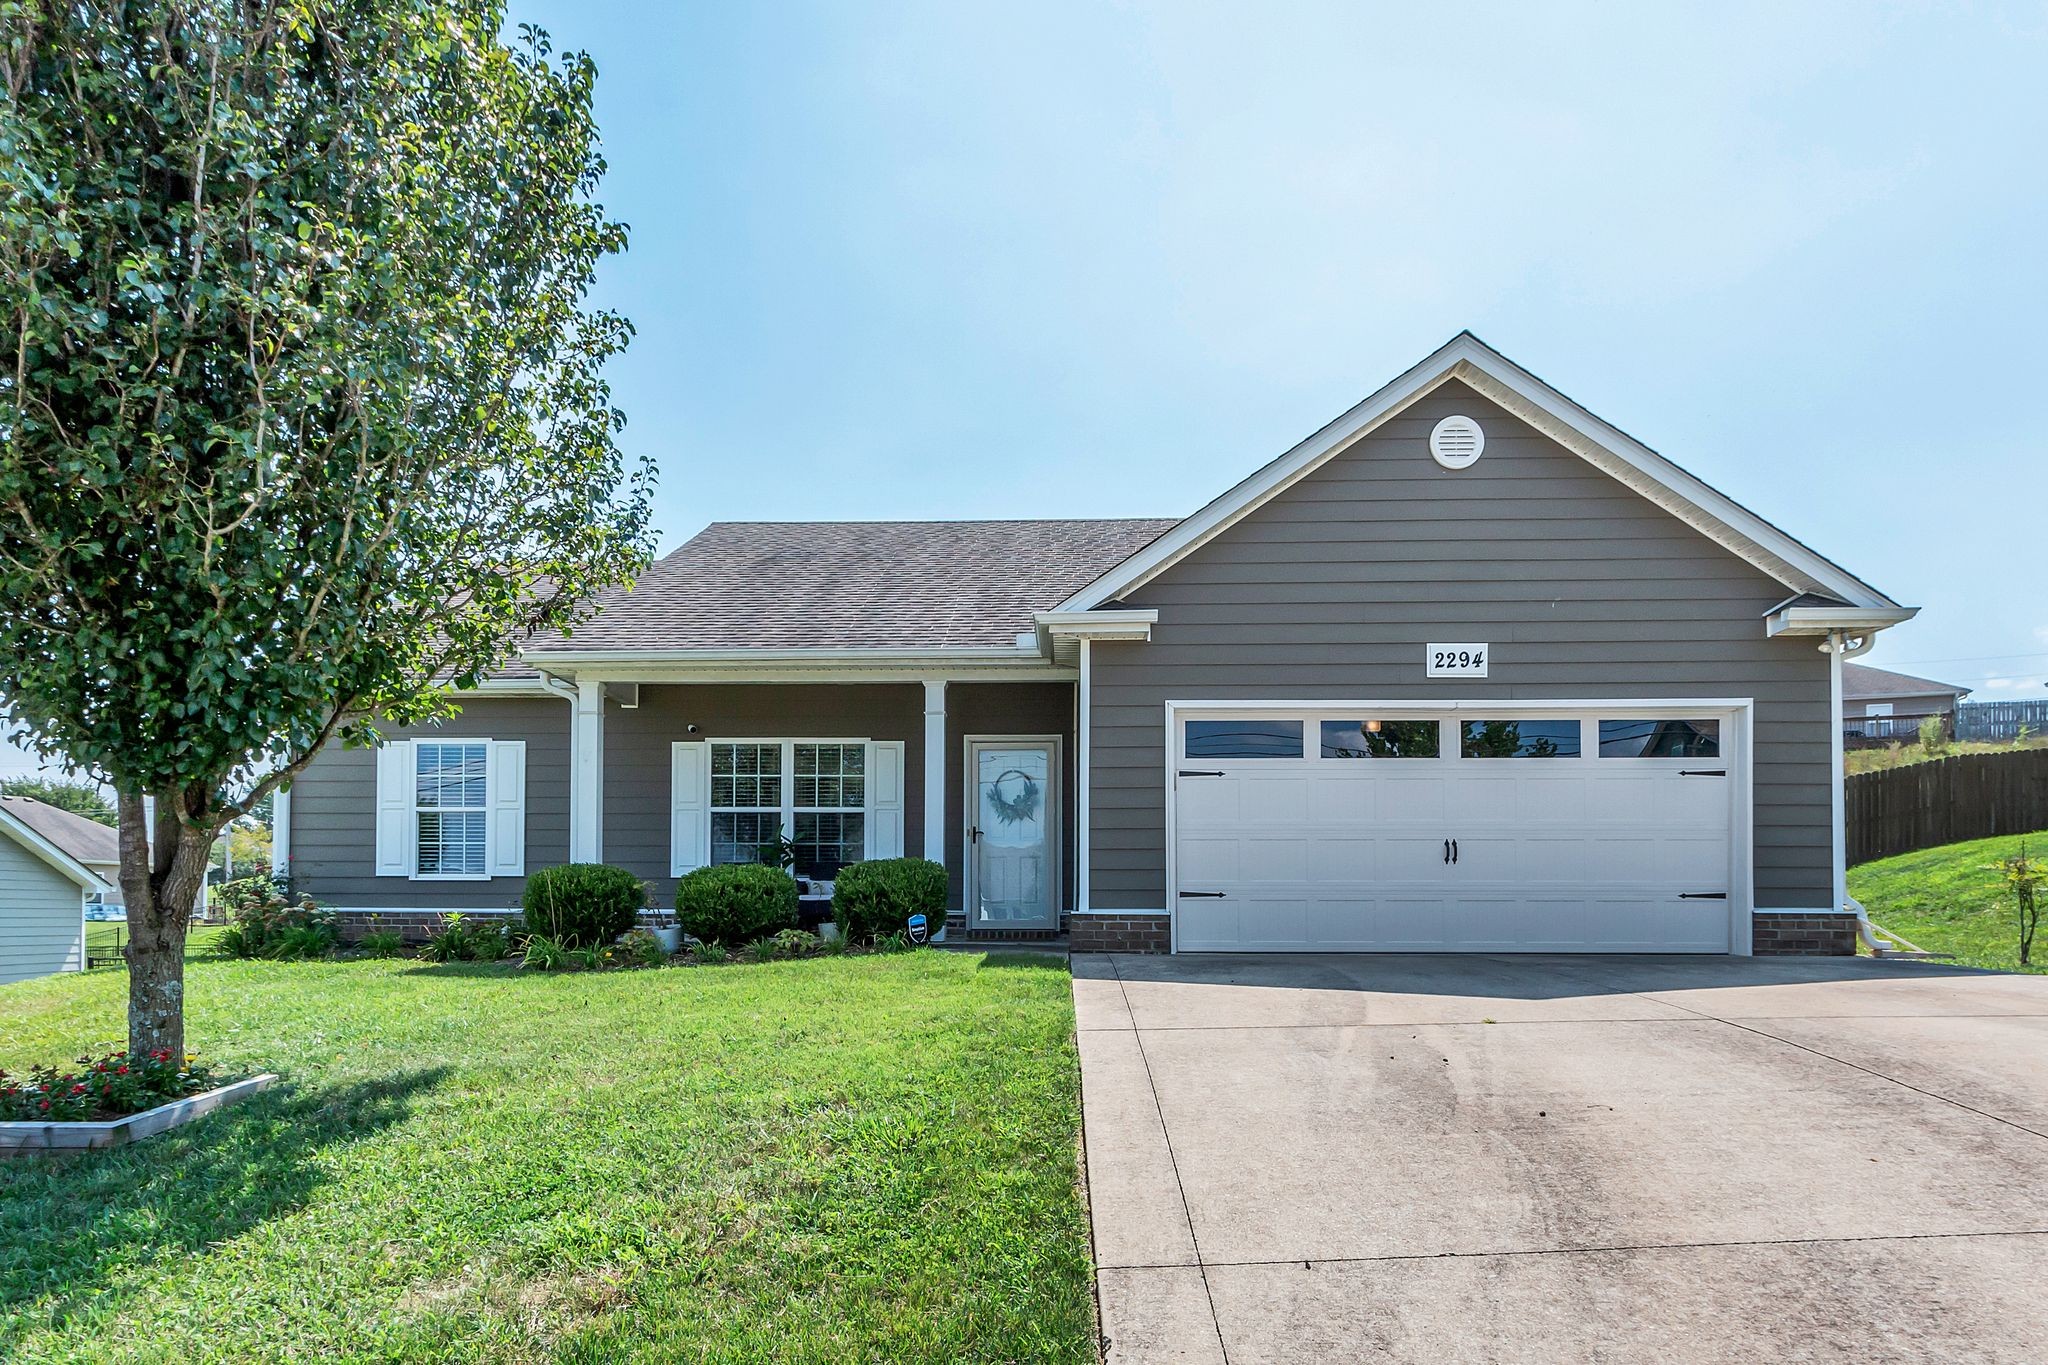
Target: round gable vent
point(1456, 442)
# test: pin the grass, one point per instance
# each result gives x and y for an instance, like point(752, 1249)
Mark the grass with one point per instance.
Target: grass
point(866, 1159)
point(1907, 752)
point(1952, 900)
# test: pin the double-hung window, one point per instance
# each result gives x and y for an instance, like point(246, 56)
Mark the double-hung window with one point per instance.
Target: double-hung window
point(451, 800)
point(813, 791)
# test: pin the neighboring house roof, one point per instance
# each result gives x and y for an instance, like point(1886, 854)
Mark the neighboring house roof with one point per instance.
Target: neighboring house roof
point(30, 824)
point(856, 585)
point(1468, 359)
point(1860, 681)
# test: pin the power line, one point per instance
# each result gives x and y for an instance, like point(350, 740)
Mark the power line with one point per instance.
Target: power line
point(1965, 659)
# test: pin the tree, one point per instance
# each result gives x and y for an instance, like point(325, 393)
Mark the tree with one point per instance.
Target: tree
point(302, 421)
point(80, 798)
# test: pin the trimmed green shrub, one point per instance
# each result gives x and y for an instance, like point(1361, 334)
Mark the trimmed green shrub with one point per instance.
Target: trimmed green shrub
point(266, 922)
point(735, 903)
point(583, 905)
point(874, 899)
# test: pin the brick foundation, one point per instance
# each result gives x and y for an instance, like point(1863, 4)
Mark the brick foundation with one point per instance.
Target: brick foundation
point(419, 925)
point(1117, 932)
point(1803, 935)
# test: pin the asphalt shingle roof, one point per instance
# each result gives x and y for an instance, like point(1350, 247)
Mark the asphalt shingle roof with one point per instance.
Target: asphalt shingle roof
point(89, 841)
point(1861, 680)
point(857, 584)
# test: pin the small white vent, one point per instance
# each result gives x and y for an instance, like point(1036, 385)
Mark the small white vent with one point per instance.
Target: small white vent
point(1456, 442)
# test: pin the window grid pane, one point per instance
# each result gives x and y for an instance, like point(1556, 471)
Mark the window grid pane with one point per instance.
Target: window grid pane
point(1243, 739)
point(1520, 739)
point(826, 841)
point(1660, 739)
point(450, 790)
point(1379, 739)
point(739, 836)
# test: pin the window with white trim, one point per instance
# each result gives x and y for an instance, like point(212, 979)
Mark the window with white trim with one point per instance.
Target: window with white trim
point(815, 791)
point(451, 800)
point(830, 807)
point(746, 801)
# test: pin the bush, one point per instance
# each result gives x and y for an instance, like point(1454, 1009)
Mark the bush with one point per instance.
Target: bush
point(642, 949)
point(107, 1087)
point(583, 904)
point(870, 900)
point(265, 921)
point(1934, 734)
point(736, 902)
point(382, 943)
point(711, 954)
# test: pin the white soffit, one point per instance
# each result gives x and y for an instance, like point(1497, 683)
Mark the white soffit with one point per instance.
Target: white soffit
point(1607, 448)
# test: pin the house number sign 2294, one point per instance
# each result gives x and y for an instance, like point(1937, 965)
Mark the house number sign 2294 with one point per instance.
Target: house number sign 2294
point(1455, 661)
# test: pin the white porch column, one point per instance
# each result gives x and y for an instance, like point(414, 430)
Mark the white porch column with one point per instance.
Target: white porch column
point(281, 832)
point(1082, 728)
point(935, 769)
point(586, 774)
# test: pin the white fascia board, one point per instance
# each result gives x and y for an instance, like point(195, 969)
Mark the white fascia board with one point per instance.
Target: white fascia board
point(977, 663)
point(559, 660)
point(507, 687)
point(51, 853)
point(1827, 620)
point(1601, 444)
point(1129, 623)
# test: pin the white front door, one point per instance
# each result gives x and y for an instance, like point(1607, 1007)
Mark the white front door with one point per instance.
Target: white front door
point(1013, 821)
point(1599, 831)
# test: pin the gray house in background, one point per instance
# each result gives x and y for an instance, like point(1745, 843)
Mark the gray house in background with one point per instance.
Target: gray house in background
point(44, 890)
point(1880, 704)
point(1468, 669)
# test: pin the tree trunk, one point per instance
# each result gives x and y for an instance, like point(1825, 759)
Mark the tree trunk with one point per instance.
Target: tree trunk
point(160, 884)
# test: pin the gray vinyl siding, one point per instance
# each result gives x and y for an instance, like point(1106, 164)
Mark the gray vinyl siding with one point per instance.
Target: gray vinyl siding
point(637, 749)
point(41, 916)
point(1582, 588)
point(334, 811)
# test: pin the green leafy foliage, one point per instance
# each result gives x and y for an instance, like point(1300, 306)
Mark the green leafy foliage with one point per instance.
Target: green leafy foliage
point(304, 420)
point(266, 920)
point(80, 798)
point(735, 903)
point(874, 899)
point(1955, 898)
point(583, 904)
point(544, 952)
point(103, 1088)
point(381, 943)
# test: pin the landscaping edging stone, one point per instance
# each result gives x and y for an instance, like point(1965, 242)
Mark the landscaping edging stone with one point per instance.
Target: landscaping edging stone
point(24, 1139)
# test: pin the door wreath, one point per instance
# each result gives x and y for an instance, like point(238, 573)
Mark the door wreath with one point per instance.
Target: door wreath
point(1015, 809)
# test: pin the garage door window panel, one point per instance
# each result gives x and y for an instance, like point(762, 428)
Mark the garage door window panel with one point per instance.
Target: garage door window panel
point(1252, 738)
point(1520, 739)
point(1375, 738)
point(1660, 739)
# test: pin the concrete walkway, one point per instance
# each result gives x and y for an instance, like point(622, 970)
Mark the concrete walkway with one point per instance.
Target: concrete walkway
point(1555, 1159)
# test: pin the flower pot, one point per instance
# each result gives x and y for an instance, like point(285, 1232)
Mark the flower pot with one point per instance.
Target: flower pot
point(670, 939)
point(829, 932)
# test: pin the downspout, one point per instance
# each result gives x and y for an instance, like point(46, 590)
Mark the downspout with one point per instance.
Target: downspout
point(1840, 646)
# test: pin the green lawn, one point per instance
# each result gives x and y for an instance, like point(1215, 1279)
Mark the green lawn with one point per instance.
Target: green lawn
point(866, 1159)
point(1952, 900)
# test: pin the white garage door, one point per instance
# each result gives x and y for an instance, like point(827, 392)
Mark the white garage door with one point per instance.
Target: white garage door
point(1483, 831)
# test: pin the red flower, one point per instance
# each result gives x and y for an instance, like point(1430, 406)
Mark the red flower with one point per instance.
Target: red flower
point(122, 1071)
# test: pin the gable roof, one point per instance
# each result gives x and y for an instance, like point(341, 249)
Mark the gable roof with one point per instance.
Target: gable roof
point(1861, 680)
point(1465, 357)
point(775, 586)
point(89, 841)
point(16, 814)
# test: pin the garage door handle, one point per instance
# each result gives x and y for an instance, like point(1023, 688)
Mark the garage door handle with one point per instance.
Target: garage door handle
point(1703, 895)
point(1447, 850)
point(1201, 895)
point(1703, 772)
point(1185, 773)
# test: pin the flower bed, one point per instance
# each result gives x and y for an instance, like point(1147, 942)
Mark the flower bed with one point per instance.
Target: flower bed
point(106, 1088)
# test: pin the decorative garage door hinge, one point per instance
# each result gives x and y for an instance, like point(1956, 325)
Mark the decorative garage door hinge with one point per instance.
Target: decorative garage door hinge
point(1703, 895)
point(1201, 895)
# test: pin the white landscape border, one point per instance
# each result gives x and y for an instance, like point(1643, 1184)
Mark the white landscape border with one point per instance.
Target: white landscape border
point(31, 1138)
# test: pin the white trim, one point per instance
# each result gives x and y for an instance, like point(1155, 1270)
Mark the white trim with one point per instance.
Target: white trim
point(935, 770)
point(281, 832)
point(427, 909)
point(55, 856)
point(586, 773)
point(689, 806)
point(1012, 667)
point(1838, 820)
point(1056, 767)
point(1827, 620)
point(507, 687)
point(412, 808)
point(1467, 358)
point(1084, 735)
point(1737, 713)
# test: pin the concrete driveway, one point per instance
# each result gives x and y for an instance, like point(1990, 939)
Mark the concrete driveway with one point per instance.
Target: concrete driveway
point(1551, 1159)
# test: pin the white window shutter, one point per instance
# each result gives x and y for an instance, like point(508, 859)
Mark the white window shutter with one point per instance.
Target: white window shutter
point(505, 786)
point(885, 799)
point(689, 809)
point(395, 803)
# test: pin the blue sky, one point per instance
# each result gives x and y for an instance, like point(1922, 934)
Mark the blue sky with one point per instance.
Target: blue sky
point(953, 260)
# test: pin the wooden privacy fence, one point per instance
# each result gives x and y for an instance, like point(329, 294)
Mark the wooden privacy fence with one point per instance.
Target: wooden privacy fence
point(1972, 796)
point(1995, 720)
